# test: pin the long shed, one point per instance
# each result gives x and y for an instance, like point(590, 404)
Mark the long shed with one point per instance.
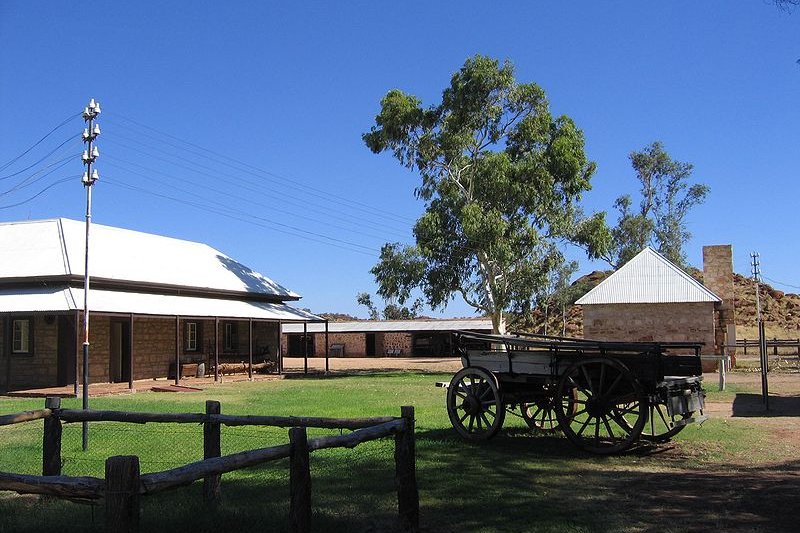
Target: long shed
point(370, 338)
point(155, 302)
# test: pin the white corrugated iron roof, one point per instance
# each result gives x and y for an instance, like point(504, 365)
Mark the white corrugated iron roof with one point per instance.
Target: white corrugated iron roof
point(648, 278)
point(51, 248)
point(383, 326)
point(63, 299)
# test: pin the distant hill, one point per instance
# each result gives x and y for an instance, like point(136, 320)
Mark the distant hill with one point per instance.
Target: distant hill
point(781, 311)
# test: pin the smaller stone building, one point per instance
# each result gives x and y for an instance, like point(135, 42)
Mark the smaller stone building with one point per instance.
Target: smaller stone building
point(378, 338)
point(650, 299)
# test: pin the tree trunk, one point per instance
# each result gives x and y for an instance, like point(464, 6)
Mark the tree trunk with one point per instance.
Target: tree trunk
point(498, 323)
point(546, 316)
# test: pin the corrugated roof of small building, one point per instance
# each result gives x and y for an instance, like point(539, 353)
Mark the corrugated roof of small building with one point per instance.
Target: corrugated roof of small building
point(648, 278)
point(385, 326)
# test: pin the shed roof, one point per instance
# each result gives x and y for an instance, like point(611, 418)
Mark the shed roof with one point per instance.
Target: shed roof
point(55, 248)
point(382, 326)
point(648, 278)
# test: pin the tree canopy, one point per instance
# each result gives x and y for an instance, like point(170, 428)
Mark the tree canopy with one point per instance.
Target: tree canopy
point(659, 220)
point(501, 179)
point(391, 311)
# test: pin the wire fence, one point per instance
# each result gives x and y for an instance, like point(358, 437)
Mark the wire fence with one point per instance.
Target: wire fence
point(351, 486)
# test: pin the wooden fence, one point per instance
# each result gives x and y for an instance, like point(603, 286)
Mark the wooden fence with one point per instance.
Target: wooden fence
point(775, 343)
point(124, 484)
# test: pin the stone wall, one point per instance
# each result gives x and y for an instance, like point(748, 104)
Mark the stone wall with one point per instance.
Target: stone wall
point(395, 341)
point(153, 346)
point(40, 369)
point(266, 340)
point(692, 322)
point(355, 344)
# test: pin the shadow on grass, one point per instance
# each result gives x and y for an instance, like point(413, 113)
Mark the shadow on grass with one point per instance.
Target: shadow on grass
point(513, 483)
point(751, 405)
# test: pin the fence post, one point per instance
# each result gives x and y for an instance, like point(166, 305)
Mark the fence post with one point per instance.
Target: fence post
point(211, 448)
point(299, 482)
point(774, 346)
point(122, 494)
point(51, 440)
point(406, 472)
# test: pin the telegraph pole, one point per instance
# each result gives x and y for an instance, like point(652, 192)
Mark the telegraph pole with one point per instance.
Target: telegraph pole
point(762, 338)
point(89, 156)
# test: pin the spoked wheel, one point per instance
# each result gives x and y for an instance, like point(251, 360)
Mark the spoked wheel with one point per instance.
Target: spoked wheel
point(610, 410)
point(474, 404)
point(541, 414)
point(660, 426)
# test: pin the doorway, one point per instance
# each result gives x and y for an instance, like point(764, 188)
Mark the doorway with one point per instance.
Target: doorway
point(296, 345)
point(370, 345)
point(119, 362)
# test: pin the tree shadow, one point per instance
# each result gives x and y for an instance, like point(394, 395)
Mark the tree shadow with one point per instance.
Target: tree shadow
point(254, 281)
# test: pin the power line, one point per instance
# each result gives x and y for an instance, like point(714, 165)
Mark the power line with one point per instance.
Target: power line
point(348, 219)
point(64, 180)
point(34, 145)
point(781, 283)
point(285, 180)
point(326, 195)
point(258, 184)
point(239, 182)
point(249, 200)
point(28, 181)
point(266, 222)
point(51, 152)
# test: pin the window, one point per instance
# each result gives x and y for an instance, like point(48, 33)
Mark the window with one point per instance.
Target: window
point(192, 336)
point(230, 336)
point(21, 336)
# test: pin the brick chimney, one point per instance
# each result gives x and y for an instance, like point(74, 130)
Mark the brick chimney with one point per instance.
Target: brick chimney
point(718, 277)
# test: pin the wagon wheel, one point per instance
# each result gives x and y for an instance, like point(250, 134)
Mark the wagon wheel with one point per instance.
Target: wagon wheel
point(658, 427)
point(541, 414)
point(610, 412)
point(474, 404)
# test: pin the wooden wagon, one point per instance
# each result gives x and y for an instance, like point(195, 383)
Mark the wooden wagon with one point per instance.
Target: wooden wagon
point(604, 396)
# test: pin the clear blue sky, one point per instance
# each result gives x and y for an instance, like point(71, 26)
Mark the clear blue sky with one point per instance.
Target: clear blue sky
point(289, 90)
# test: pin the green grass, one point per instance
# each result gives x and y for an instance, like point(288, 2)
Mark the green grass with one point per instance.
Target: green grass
point(518, 481)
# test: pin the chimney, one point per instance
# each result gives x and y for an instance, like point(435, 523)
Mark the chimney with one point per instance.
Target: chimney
point(718, 277)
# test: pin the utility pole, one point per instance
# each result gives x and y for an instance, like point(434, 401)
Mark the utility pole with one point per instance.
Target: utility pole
point(762, 338)
point(89, 156)
point(756, 271)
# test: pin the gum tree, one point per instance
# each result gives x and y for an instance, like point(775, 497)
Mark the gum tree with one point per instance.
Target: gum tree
point(659, 220)
point(501, 179)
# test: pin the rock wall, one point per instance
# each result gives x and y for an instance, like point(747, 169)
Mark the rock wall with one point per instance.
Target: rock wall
point(40, 367)
point(692, 322)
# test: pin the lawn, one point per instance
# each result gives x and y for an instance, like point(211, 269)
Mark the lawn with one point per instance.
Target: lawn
point(710, 476)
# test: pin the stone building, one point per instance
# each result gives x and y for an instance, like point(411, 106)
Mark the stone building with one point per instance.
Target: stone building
point(155, 304)
point(651, 299)
point(379, 338)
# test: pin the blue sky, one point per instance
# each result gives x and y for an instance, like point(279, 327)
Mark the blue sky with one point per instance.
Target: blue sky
point(239, 123)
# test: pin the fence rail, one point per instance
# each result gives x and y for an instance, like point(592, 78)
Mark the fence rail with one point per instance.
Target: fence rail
point(775, 343)
point(124, 484)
